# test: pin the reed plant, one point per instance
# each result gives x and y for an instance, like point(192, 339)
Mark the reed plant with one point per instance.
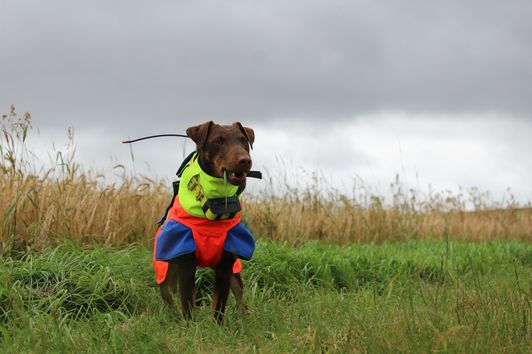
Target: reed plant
point(39, 206)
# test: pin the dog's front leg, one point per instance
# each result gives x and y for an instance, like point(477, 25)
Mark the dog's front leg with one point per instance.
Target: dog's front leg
point(186, 276)
point(222, 283)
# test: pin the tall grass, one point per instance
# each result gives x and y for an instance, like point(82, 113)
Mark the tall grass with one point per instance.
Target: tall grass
point(41, 205)
point(318, 211)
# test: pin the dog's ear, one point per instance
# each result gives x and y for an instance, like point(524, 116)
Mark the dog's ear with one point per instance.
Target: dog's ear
point(248, 133)
point(200, 133)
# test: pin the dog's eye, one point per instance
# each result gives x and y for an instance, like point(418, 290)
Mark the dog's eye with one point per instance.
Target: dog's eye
point(245, 143)
point(219, 141)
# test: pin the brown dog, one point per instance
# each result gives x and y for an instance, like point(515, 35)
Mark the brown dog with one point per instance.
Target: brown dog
point(221, 149)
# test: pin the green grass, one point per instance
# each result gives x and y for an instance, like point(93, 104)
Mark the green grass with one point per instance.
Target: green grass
point(417, 296)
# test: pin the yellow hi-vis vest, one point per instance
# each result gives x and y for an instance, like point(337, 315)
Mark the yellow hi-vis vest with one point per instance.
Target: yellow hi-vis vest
point(197, 189)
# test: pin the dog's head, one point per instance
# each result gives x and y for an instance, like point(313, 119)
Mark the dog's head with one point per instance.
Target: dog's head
point(224, 148)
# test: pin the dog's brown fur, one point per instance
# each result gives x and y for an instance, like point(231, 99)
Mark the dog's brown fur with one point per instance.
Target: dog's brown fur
point(220, 148)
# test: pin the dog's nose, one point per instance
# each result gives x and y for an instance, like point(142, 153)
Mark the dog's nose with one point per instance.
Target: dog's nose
point(244, 162)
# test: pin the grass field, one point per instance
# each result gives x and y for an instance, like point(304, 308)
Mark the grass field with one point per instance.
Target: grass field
point(436, 272)
point(418, 296)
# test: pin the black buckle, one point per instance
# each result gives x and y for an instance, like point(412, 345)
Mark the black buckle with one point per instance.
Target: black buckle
point(220, 206)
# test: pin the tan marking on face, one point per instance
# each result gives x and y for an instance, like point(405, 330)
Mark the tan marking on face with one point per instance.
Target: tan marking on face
point(219, 166)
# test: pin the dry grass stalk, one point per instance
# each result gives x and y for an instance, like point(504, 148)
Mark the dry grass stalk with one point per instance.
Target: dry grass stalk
point(38, 208)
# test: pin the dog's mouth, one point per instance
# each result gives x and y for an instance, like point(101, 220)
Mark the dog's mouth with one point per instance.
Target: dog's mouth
point(236, 178)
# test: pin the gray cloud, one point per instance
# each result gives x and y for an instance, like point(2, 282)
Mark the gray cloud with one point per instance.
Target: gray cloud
point(355, 88)
point(116, 64)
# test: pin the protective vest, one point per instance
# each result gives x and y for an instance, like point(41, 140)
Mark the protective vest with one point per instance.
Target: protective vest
point(193, 223)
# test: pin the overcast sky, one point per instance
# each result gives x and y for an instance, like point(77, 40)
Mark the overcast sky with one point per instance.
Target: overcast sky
point(437, 91)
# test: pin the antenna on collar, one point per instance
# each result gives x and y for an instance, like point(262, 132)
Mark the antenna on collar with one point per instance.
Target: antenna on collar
point(154, 136)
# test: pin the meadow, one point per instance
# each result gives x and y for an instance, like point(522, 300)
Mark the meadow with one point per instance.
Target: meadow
point(443, 271)
point(415, 296)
